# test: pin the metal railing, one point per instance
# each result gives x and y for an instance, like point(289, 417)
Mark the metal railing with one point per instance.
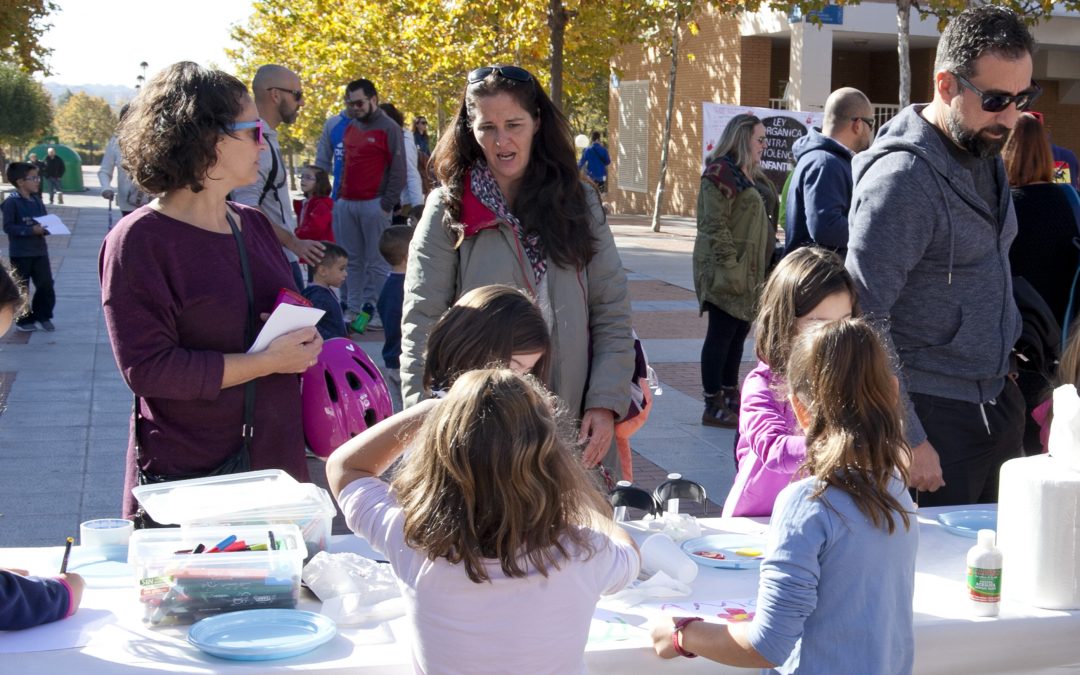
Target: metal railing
point(883, 112)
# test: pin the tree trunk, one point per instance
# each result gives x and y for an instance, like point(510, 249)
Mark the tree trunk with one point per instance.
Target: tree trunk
point(659, 201)
point(903, 49)
point(557, 18)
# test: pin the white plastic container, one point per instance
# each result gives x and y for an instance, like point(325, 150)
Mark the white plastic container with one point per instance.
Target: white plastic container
point(177, 585)
point(268, 497)
point(984, 575)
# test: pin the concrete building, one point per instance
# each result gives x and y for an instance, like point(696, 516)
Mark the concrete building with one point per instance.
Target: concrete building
point(768, 59)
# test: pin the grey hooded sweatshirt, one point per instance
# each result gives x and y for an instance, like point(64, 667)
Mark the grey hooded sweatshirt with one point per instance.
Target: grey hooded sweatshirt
point(931, 264)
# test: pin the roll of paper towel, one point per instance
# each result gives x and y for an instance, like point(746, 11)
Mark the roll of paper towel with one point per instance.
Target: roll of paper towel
point(1039, 531)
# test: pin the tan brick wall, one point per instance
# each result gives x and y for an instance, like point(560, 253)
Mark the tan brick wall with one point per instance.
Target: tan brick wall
point(724, 69)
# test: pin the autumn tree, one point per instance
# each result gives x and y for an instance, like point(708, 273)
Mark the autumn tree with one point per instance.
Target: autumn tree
point(85, 121)
point(22, 25)
point(418, 52)
point(27, 110)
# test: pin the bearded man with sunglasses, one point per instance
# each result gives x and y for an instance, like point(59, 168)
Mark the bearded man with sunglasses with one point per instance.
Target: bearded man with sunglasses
point(931, 224)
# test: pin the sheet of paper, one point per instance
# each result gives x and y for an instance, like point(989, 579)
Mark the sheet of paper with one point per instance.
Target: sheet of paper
point(53, 224)
point(285, 319)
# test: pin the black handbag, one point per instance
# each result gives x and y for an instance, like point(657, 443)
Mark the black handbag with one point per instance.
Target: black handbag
point(239, 461)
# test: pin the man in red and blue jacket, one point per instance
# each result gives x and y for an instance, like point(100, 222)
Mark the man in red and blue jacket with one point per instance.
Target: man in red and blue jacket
point(372, 177)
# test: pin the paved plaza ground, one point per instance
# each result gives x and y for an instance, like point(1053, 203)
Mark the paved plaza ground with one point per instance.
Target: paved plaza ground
point(64, 409)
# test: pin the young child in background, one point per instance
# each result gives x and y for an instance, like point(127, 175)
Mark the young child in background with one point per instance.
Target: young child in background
point(488, 325)
point(394, 248)
point(329, 274)
point(27, 601)
point(1068, 372)
point(851, 515)
point(499, 543)
point(27, 248)
point(315, 213)
point(810, 285)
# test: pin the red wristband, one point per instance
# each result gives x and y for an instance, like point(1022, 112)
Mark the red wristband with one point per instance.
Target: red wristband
point(676, 635)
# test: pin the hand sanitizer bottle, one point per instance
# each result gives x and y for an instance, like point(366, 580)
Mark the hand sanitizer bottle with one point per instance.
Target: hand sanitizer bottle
point(984, 575)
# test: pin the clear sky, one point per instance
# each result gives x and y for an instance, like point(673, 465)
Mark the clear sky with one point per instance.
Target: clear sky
point(103, 41)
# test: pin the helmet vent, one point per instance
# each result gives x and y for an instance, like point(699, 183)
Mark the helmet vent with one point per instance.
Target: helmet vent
point(370, 419)
point(368, 368)
point(331, 388)
point(353, 380)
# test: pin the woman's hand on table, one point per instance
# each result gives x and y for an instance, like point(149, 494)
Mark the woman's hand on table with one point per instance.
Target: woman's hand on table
point(295, 352)
point(598, 428)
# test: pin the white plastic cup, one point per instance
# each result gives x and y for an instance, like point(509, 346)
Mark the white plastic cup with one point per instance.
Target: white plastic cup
point(660, 554)
point(110, 536)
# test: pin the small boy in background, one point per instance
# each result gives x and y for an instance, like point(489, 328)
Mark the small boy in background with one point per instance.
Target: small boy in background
point(328, 275)
point(26, 245)
point(394, 247)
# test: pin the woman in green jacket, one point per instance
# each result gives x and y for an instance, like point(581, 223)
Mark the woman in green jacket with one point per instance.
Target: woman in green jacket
point(513, 210)
point(735, 242)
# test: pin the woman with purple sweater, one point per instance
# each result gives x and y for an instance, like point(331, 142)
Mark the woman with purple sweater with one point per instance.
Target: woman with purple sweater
point(809, 286)
point(176, 294)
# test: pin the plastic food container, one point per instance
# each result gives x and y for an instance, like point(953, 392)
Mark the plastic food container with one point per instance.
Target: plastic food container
point(267, 497)
point(176, 585)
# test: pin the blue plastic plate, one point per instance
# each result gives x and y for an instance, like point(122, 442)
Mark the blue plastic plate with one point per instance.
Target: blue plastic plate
point(726, 551)
point(968, 523)
point(262, 634)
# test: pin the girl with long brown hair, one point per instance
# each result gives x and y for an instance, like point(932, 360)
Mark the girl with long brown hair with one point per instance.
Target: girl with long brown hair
point(497, 537)
point(840, 557)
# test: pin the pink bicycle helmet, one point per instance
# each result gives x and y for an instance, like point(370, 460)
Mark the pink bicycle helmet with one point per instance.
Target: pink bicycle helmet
point(343, 394)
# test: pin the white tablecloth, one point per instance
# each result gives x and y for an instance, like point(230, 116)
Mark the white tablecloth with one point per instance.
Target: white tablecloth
point(948, 640)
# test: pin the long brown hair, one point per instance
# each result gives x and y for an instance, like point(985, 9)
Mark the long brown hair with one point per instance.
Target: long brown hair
point(551, 200)
point(1027, 154)
point(804, 278)
point(840, 375)
point(485, 327)
point(490, 478)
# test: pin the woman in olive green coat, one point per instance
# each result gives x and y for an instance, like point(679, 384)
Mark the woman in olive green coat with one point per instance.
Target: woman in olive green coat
point(735, 242)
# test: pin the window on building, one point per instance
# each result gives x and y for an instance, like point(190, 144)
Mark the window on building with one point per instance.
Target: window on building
point(632, 160)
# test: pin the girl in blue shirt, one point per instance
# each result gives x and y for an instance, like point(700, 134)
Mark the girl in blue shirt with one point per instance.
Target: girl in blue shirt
point(836, 585)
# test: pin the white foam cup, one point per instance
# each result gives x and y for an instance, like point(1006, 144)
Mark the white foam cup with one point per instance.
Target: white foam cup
point(660, 554)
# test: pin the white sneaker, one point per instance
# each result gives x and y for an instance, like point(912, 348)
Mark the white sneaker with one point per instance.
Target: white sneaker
point(375, 323)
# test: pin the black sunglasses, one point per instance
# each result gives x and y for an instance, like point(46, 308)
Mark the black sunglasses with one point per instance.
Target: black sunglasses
point(997, 102)
point(509, 72)
point(298, 94)
point(868, 121)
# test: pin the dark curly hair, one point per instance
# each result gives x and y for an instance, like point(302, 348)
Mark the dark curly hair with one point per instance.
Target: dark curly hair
point(551, 200)
point(168, 140)
point(978, 31)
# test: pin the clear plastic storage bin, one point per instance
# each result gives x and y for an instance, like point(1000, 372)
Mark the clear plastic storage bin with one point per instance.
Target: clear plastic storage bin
point(177, 585)
point(268, 497)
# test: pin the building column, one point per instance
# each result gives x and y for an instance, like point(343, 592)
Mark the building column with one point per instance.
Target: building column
point(810, 69)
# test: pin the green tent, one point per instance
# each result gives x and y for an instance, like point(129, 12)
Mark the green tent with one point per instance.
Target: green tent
point(72, 180)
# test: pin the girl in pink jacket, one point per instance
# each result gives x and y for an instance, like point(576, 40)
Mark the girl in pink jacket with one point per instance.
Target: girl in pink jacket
point(810, 285)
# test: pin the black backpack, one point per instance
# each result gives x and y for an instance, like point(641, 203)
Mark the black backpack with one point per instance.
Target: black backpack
point(1037, 353)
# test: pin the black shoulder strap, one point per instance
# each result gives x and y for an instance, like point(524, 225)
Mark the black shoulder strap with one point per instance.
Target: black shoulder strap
point(270, 177)
point(248, 430)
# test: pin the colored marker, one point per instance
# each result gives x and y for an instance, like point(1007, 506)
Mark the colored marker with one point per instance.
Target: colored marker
point(273, 542)
point(199, 549)
point(235, 546)
point(67, 554)
point(220, 546)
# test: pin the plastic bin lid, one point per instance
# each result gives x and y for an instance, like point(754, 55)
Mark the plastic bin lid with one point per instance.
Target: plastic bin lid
point(184, 501)
point(295, 502)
